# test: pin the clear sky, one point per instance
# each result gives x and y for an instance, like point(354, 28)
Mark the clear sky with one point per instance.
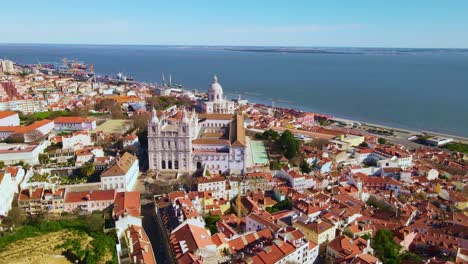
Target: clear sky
point(360, 23)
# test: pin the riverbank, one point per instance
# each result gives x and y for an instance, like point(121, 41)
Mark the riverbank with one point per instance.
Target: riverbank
point(399, 133)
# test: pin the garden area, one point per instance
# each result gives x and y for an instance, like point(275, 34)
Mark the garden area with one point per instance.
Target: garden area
point(78, 239)
point(458, 147)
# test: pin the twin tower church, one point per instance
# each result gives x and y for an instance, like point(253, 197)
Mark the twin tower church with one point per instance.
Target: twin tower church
point(186, 140)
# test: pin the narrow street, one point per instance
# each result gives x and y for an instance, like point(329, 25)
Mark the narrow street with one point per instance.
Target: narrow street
point(153, 232)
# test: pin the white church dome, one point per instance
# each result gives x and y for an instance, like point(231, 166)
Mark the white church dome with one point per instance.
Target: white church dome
point(215, 87)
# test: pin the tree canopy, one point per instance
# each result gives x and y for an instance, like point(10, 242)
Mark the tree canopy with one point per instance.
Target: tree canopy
point(386, 249)
point(288, 144)
point(382, 141)
point(269, 134)
point(305, 167)
point(87, 169)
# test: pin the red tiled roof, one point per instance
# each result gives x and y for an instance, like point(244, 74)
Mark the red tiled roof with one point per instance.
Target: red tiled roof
point(127, 203)
point(98, 195)
point(4, 114)
point(141, 246)
point(73, 119)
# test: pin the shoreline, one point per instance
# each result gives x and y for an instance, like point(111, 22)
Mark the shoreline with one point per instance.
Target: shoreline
point(409, 132)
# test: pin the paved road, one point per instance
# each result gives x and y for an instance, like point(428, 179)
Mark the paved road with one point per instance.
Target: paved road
point(153, 232)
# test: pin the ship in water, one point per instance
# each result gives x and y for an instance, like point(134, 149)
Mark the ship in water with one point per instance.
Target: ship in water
point(168, 83)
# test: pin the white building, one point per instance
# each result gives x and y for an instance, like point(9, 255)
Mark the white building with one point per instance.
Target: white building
point(392, 157)
point(217, 103)
point(6, 66)
point(438, 141)
point(74, 123)
point(88, 201)
point(122, 175)
point(76, 140)
point(217, 185)
point(8, 189)
point(186, 142)
point(27, 105)
point(296, 180)
point(14, 153)
point(8, 118)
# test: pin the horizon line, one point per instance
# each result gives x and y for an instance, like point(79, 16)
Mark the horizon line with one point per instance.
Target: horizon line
point(212, 45)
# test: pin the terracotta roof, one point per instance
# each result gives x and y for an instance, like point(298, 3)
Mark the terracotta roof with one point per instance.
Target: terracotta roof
point(317, 227)
point(140, 245)
point(216, 116)
point(121, 167)
point(97, 195)
point(4, 114)
point(36, 194)
point(237, 131)
point(189, 238)
point(127, 203)
point(73, 119)
point(210, 141)
point(347, 247)
point(25, 129)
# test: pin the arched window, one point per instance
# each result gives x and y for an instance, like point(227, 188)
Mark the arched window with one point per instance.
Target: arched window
point(176, 164)
point(169, 164)
point(163, 164)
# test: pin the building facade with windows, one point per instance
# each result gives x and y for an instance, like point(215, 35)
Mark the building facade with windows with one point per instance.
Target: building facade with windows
point(185, 142)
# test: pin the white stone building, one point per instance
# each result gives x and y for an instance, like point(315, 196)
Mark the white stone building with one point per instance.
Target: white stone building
point(9, 118)
point(122, 175)
point(217, 103)
point(76, 140)
point(8, 189)
point(217, 185)
point(185, 142)
point(6, 66)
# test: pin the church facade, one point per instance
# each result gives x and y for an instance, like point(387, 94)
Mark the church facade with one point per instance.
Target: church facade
point(186, 141)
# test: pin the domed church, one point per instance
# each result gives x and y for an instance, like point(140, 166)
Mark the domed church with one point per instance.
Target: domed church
point(217, 103)
point(186, 141)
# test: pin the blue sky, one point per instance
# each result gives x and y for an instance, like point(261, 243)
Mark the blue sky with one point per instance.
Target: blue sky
point(360, 23)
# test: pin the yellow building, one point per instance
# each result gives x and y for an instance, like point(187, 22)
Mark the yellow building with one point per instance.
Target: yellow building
point(318, 231)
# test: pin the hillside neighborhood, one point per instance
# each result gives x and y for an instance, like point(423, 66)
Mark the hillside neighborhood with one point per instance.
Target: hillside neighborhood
point(164, 174)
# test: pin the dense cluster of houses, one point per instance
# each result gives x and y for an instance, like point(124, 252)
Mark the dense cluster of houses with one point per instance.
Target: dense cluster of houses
point(240, 210)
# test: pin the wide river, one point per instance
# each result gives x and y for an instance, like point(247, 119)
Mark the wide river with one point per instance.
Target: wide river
point(421, 90)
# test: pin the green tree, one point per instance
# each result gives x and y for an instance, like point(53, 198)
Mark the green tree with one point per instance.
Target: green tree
point(211, 223)
point(15, 217)
point(382, 141)
point(87, 169)
point(104, 105)
point(305, 167)
point(364, 145)
point(283, 205)
point(269, 134)
point(2, 165)
point(288, 144)
point(43, 158)
point(385, 247)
